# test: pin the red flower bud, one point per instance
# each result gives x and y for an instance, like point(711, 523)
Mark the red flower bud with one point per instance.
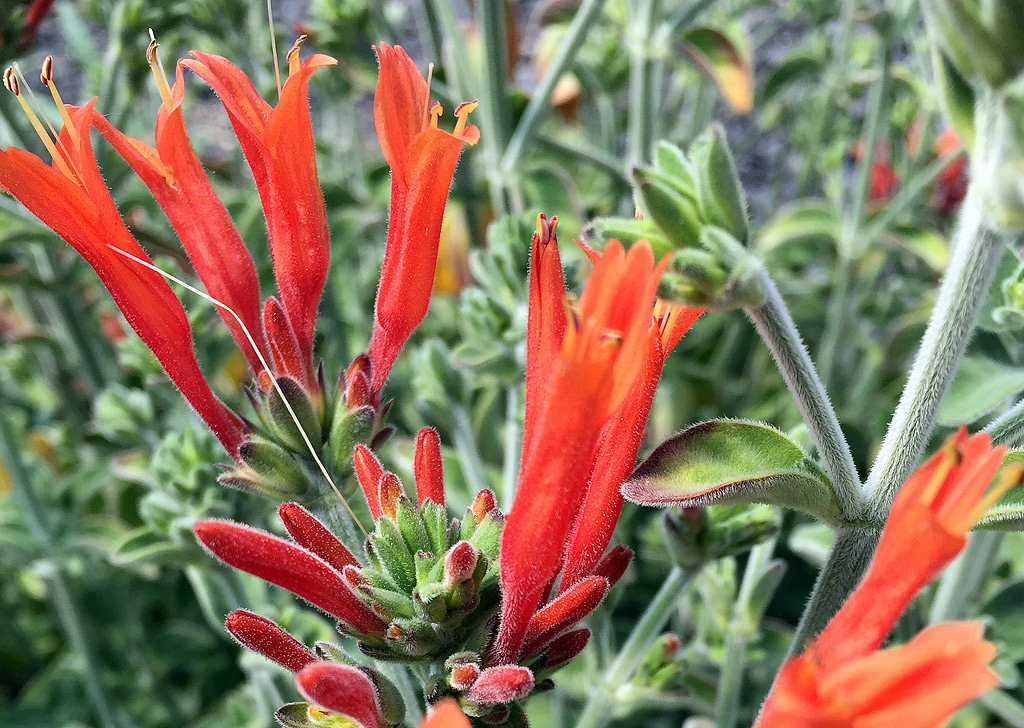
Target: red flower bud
point(566, 647)
point(295, 569)
point(463, 676)
point(342, 689)
point(262, 635)
point(459, 564)
point(368, 473)
point(312, 535)
point(389, 490)
point(501, 684)
point(483, 504)
point(614, 563)
point(428, 468)
point(284, 344)
point(565, 611)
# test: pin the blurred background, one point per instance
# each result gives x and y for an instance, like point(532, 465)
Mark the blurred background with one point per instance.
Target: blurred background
point(112, 615)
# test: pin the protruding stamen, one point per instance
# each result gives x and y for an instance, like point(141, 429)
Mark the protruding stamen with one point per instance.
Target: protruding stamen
point(12, 84)
point(951, 457)
point(46, 76)
point(46, 72)
point(1009, 478)
point(462, 113)
point(293, 55)
point(435, 113)
point(430, 78)
point(153, 59)
point(546, 228)
point(273, 46)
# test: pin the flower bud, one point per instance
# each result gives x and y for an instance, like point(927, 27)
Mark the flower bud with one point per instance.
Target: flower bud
point(500, 685)
point(281, 421)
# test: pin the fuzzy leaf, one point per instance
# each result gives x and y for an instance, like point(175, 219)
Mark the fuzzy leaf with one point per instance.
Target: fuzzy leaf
point(979, 386)
point(725, 62)
point(732, 461)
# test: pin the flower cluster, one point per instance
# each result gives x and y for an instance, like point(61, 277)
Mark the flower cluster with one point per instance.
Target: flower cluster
point(298, 418)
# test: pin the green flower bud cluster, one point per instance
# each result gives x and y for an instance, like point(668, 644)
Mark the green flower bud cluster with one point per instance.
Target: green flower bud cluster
point(692, 205)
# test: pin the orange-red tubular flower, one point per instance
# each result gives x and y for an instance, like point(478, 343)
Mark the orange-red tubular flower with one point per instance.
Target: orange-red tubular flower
point(278, 144)
point(620, 442)
point(841, 681)
point(177, 180)
point(916, 685)
point(927, 526)
point(71, 199)
point(576, 383)
point(445, 714)
point(422, 160)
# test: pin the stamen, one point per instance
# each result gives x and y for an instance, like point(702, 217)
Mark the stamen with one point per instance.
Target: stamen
point(435, 113)
point(273, 48)
point(1009, 478)
point(12, 84)
point(263, 363)
point(62, 158)
point(462, 113)
point(46, 76)
point(430, 106)
point(153, 59)
point(950, 458)
point(293, 55)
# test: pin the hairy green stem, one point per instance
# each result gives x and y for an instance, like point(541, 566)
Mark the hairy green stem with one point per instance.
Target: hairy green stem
point(1008, 428)
point(540, 101)
point(847, 559)
point(641, 89)
point(976, 251)
point(1005, 706)
point(600, 706)
point(776, 327)
point(741, 628)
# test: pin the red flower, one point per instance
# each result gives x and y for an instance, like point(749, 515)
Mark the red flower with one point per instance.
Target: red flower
point(71, 198)
point(278, 144)
point(926, 528)
point(422, 160)
point(841, 681)
point(580, 370)
point(445, 714)
point(176, 178)
point(917, 685)
point(951, 186)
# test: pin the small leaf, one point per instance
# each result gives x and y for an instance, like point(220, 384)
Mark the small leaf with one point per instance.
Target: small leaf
point(1007, 620)
point(800, 67)
point(1008, 513)
point(804, 221)
point(726, 62)
point(979, 386)
point(732, 461)
point(928, 245)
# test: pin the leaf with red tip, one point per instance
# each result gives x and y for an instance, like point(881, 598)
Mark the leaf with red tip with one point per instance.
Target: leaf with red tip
point(309, 533)
point(286, 565)
point(726, 62)
point(501, 684)
point(445, 714)
point(342, 689)
point(732, 461)
point(563, 612)
point(267, 638)
point(428, 467)
point(369, 472)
